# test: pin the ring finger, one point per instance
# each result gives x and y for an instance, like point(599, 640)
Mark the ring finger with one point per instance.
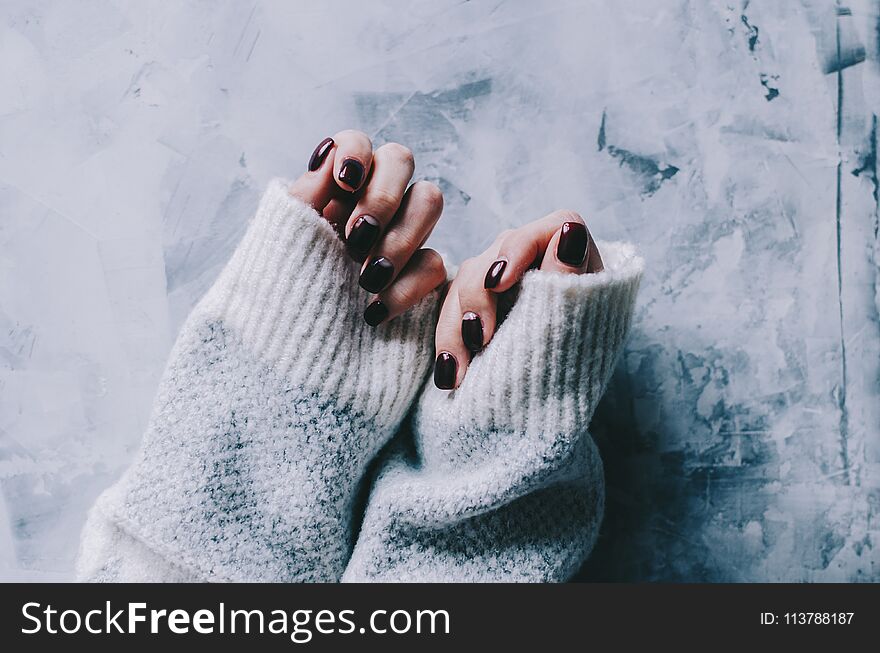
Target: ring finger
point(409, 229)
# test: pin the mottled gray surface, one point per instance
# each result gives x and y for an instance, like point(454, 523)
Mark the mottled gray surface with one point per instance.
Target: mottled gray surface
point(735, 142)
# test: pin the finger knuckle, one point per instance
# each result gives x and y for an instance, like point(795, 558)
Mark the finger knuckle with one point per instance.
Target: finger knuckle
point(399, 153)
point(428, 194)
point(434, 264)
point(399, 241)
point(404, 294)
point(352, 133)
point(382, 202)
point(468, 267)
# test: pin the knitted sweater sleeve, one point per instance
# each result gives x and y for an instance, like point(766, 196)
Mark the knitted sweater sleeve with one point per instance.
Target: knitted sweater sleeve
point(500, 479)
point(275, 398)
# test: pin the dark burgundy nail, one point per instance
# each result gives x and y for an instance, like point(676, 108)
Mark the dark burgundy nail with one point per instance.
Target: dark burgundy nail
point(445, 368)
point(375, 313)
point(376, 275)
point(472, 331)
point(572, 247)
point(320, 154)
point(351, 173)
point(493, 276)
point(362, 237)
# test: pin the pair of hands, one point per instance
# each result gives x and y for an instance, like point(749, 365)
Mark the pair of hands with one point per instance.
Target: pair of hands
point(384, 221)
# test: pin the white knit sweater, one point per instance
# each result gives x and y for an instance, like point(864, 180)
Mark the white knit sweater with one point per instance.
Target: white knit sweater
point(278, 397)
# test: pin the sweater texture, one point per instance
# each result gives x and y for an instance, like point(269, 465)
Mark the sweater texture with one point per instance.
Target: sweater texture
point(281, 413)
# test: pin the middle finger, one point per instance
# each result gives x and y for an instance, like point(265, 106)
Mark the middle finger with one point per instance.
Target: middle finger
point(419, 212)
point(393, 167)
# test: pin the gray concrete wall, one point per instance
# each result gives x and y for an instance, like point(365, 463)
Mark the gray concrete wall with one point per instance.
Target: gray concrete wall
point(734, 142)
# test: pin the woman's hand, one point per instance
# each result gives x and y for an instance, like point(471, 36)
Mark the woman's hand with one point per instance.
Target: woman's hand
point(384, 223)
point(559, 242)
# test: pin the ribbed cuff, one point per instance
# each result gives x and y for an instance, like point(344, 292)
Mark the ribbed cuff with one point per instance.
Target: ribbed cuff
point(551, 359)
point(291, 294)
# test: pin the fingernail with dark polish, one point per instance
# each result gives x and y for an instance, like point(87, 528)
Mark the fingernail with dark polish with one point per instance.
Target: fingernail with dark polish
point(376, 275)
point(493, 276)
point(320, 154)
point(572, 247)
point(472, 331)
point(375, 313)
point(351, 173)
point(362, 237)
point(445, 368)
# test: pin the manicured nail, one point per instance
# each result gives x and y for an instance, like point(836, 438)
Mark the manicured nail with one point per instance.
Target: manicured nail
point(320, 154)
point(375, 313)
point(472, 331)
point(445, 368)
point(362, 237)
point(351, 173)
point(493, 276)
point(572, 247)
point(376, 275)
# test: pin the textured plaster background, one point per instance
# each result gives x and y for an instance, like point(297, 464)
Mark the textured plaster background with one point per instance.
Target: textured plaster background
point(734, 142)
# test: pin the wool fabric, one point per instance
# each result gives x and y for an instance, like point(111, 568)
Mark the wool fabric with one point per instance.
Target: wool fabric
point(281, 414)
